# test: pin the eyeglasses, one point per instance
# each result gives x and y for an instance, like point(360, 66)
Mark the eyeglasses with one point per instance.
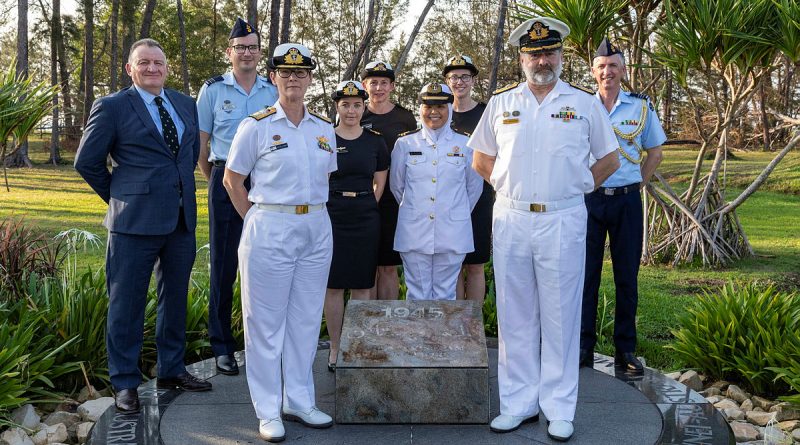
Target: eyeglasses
point(464, 78)
point(286, 73)
point(254, 49)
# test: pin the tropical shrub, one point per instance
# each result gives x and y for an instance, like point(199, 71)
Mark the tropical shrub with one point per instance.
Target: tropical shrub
point(23, 253)
point(744, 332)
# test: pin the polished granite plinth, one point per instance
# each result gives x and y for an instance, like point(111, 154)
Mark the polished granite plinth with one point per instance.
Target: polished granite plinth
point(412, 362)
point(613, 409)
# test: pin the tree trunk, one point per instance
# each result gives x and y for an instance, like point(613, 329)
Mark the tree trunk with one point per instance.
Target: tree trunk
point(274, 25)
point(498, 45)
point(114, 68)
point(88, 57)
point(55, 156)
point(129, 25)
point(147, 19)
point(20, 157)
point(286, 32)
point(252, 13)
point(71, 132)
point(349, 72)
point(666, 119)
point(184, 62)
point(762, 95)
point(402, 60)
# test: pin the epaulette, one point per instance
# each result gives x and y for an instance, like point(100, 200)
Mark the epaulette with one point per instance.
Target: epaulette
point(264, 113)
point(459, 131)
point(325, 118)
point(214, 79)
point(373, 131)
point(584, 89)
point(506, 88)
point(645, 98)
point(406, 133)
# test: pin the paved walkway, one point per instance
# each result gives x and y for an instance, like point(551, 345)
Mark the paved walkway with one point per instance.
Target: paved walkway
point(618, 410)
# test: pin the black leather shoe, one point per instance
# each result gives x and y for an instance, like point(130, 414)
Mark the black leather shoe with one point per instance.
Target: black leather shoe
point(127, 401)
point(184, 381)
point(628, 362)
point(227, 365)
point(586, 359)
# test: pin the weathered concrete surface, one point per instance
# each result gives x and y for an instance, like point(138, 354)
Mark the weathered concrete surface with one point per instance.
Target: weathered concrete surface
point(412, 362)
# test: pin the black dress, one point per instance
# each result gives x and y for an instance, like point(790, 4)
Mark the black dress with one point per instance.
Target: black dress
point(355, 219)
point(482, 213)
point(390, 124)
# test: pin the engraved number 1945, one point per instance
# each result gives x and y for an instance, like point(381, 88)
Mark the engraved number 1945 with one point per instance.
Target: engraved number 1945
point(421, 312)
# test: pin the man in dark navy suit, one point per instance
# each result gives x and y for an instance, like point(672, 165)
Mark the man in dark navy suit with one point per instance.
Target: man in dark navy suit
point(151, 134)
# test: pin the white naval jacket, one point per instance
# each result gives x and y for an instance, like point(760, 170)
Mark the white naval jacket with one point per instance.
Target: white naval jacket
point(437, 189)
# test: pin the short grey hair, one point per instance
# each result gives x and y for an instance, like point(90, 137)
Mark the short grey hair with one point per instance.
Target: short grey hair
point(150, 43)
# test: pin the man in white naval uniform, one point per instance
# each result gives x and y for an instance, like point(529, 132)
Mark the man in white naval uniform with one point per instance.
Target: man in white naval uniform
point(286, 246)
point(432, 180)
point(533, 145)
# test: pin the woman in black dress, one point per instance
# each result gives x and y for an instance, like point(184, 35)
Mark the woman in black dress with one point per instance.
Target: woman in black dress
point(460, 75)
point(355, 189)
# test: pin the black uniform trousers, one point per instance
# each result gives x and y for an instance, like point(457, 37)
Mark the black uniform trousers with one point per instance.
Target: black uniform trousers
point(225, 230)
point(621, 218)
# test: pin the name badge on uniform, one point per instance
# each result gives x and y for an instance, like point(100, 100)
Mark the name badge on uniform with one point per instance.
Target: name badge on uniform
point(228, 106)
point(341, 150)
point(415, 153)
point(322, 144)
point(277, 145)
point(456, 155)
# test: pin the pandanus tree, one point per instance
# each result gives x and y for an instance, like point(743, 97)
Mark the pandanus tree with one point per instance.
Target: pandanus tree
point(719, 50)
point(23, 104)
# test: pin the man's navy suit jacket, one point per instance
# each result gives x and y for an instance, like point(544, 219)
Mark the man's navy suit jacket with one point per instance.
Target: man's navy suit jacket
point(147, 183)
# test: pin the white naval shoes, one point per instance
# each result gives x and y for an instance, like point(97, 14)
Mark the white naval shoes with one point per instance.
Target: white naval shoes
point(560, 430)
point(505, 423)
point(313, 418)
point(271, 430)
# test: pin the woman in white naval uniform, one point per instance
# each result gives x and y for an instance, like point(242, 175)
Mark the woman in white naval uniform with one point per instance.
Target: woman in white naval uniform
point(286, 245)
point(432, 180)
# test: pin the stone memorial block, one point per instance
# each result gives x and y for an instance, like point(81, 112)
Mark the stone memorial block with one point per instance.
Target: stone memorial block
point(412, 362)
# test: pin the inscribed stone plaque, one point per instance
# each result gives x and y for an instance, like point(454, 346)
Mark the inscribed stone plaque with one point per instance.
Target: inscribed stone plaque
point(412, 362)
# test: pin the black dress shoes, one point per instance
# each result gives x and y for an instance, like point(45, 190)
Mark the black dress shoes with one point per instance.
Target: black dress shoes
point(586, 359)
point(184, 381)
point(227, 365)
point(628, 362)
point(127, 401)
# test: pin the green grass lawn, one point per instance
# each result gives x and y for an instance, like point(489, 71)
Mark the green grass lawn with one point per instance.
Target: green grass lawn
point(56, 198)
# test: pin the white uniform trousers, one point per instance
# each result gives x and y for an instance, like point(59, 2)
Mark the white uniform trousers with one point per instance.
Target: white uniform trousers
point(431, 277)
point(284, 261)
point(538, 268)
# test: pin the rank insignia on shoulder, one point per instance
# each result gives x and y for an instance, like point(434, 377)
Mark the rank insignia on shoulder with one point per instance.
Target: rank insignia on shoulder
point(645, 98)
point(406, 133)
point(369, 129)
point(214, 80)
point(264, 113)
point(566, 114)
point(460, 131)
point(506, 88)
point(325, 118)
point(322, 143)
point(581, 88)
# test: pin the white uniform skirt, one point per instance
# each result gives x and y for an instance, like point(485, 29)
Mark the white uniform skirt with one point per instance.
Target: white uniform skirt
point(284, 261)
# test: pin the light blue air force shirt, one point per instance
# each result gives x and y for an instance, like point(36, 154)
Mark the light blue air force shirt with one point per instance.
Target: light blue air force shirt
point(152, 108)
point(625, 116)
point(222, 104)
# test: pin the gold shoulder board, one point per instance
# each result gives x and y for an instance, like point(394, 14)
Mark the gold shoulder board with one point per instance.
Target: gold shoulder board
point(584, 89)
point(264, 113)
point(406, 133)
point(325, 118)
point(506, 88)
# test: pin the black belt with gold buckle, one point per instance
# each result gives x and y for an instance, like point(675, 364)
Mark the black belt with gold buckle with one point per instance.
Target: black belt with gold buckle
point(350, 194)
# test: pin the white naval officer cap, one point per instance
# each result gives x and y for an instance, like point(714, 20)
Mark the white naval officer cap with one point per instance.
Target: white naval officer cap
point(539, 34)
point(292, 55)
